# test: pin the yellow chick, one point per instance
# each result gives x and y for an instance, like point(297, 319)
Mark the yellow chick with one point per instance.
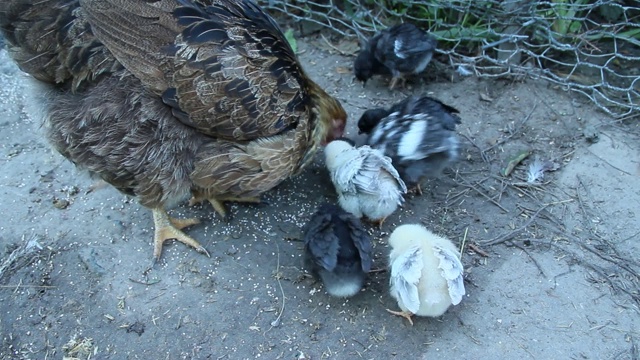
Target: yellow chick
point(426, 272)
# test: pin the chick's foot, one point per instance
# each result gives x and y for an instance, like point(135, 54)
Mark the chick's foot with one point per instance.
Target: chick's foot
point(417, 190)
point(169, 228)
point(405, 314)
point(396, 80)
point(379, 222)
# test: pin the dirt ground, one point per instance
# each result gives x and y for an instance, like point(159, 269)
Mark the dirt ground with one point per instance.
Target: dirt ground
point(551, 270)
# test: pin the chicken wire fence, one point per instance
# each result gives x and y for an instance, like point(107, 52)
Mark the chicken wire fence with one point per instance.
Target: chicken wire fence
point(588, 46)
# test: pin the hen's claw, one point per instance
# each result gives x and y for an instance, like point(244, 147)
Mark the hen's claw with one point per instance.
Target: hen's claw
point(167, 228)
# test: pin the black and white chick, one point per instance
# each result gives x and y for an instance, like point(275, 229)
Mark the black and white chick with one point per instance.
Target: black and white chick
point(337, 250)
point(426, 272)
point(418, 134)
point(399, 50)
point(365, 180)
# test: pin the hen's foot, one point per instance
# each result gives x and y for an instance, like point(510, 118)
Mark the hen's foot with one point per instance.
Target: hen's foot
point(169, 228)
point(218, 203)
point(405, 314)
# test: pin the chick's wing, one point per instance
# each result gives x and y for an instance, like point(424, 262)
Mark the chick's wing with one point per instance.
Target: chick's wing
point(406, 271)
point(361, 240)
point(452, 272)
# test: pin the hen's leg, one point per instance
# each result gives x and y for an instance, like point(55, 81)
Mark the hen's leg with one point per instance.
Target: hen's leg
point(218, 203)
point(405, 314)
point(169, 228)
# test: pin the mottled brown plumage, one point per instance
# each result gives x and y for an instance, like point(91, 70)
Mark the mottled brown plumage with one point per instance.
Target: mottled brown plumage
point(170, 99)
point(51, 40)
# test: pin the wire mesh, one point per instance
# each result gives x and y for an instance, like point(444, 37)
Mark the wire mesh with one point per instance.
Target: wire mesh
point(588, 46)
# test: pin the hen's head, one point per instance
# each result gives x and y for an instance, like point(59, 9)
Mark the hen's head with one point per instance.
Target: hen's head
point(331, 118)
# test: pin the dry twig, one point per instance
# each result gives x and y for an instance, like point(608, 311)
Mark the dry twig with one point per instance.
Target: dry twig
point(508, 236)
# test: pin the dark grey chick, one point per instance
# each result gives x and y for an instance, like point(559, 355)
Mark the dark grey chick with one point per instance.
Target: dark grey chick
point(337, 250)
point(418, 134)
point(399, 50)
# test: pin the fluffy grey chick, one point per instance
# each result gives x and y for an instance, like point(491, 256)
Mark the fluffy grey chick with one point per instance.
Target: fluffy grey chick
point(400, 50)
point(337, 250)
point(418, 134)
point(366, 182)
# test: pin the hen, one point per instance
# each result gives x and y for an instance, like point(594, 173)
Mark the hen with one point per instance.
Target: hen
point(171, 99)
point(338, 250)
point(426, 272)
point(418, 134)
point(399, 50)
point(365, 180)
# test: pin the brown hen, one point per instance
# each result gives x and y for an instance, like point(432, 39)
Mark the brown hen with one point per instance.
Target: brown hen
point(167, 100)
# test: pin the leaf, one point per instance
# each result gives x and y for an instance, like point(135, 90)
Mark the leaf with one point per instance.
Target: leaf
point(486, 97)
point(514, 161)
point(292, 40)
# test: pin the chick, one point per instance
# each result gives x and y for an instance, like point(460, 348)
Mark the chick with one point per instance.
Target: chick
point(399, 50)
point(366, 182)
point(337, 250)
point(418, 134)
point(426, 272)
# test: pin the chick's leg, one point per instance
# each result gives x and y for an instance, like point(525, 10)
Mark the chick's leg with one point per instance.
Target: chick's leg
point(398, 79)
point(405, 314)
point(393, 83)
point(417, 190)
point(169, 228)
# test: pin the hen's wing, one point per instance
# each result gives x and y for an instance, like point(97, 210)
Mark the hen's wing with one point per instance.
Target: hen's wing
point(361, 240)
point(321, 242)
point(52, 41)
point(452, 272)
point(406, 271)
point(224, 63)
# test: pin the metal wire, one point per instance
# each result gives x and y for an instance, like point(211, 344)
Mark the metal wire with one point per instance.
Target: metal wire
point(589, 46)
